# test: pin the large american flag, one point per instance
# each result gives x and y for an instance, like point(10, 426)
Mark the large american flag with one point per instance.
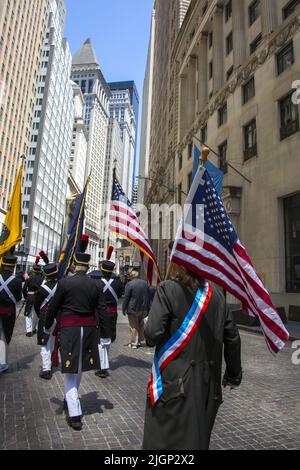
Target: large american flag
point(123, 221)
point(213, 250)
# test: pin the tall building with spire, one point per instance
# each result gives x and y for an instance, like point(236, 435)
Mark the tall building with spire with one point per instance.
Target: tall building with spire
point(87, 74)
point(45, 185)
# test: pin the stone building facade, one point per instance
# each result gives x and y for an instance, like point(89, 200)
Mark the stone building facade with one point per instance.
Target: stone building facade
point(237, 62)
point(23, 28)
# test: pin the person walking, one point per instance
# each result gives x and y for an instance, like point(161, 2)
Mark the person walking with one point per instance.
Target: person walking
point(10, 295)
point(30, 288)
point(190, 327)
point(136, 305)
point(77, 303)
point(112, 288)
point(41, 303)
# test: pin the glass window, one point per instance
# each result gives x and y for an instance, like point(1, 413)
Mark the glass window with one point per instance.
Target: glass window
point(210, 70)
point(254, 11)
point(250, 138)
point(223, 157)
point(248, 90)
point(285, 58)
point(292, 242)
point(222, 115)
point(229, 43)
point(289, 117)
point(255, 44)
point(290, 8)
point(204, 134)
point(228, 10)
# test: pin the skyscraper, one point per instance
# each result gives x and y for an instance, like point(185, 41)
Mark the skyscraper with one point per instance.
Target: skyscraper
point(22, 33)
point(87, 74)
point(78, 160)
point(123, 106)
point(48, 162)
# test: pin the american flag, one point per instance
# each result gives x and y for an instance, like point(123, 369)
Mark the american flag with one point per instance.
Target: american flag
point(213, 250)
point(123, 221)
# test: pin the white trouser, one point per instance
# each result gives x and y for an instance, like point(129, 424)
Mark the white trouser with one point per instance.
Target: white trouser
point(46, 352)
point(31, 321)
point(3, 346)
point(72, 383)
point(103, 352)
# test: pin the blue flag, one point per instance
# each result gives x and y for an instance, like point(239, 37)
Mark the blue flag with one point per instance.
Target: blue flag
point(215, 173)
point(73, 239)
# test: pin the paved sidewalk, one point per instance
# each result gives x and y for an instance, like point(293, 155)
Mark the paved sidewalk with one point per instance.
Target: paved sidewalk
point(263, 414)
point(293, 327)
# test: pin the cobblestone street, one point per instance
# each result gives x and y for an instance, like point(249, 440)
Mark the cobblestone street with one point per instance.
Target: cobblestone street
point(263, 414)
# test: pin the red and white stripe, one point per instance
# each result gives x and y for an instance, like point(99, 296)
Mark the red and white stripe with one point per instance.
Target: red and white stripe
point(124, 222)
point(236, 274)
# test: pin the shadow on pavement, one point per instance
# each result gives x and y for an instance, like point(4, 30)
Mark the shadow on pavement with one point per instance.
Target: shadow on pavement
point(128, 361)
point(90, 404)
point(22, 364)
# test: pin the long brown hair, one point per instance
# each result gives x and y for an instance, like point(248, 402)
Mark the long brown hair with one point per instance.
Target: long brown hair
point(188, 278)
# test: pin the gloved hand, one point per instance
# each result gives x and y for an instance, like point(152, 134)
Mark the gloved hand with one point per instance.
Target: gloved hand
point(232, 382)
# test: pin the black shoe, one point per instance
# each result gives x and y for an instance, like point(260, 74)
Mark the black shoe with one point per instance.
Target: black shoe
point(102, 374)
point(29, 335)
point(75, 423)
point(46, 374)
point(34, 332)
point(65, 406)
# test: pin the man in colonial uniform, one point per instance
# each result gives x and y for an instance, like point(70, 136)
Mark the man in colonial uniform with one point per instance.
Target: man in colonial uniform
point(10, 294)
point(30, 290)
point(77, 300)
point(112, 287)
point(42, 301)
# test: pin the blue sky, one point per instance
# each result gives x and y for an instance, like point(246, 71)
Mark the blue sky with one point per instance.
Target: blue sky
point(119, 30)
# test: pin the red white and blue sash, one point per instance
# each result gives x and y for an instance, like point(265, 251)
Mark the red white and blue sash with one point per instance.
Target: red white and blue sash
point(178, 341)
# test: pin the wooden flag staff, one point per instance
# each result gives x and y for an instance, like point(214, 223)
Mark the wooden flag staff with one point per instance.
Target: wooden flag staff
point(204, 157)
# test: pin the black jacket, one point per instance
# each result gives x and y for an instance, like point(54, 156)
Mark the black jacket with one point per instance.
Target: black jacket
point(184, 417)
point(76, 295)
point(42, 294)
point(6, 304)
point(32, 284)
point(137, 298)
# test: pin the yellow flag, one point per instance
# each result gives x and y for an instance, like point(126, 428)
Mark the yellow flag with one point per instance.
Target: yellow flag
point(11, 233)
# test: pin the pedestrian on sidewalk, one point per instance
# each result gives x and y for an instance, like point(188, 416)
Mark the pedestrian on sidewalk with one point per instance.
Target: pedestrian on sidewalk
point(30, 289)
point(136, 305)
point(10, 294)
point(77, 300)
point(112, 288)
point(189, 324)
point(42, 301)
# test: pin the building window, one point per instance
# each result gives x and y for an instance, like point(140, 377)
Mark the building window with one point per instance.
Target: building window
point(290, 8)
point(228, 10)
point(289, 117)
point(210, 39)
point(179, 194)
point(204, 9)
point(222, 115)
point(248, 90)
point(189, 181)
point(210, 70)
point(180, 162)
point(292, 242)
point(229, 73)
point(255, 44)
point(285, 58)
point(190, 151)
point(204, 135)
point(254, 11)
point(229, 43)
point(250, 139)
point(223, 157)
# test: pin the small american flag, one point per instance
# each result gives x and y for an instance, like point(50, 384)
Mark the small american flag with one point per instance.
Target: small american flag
point(124, 222)
point(215, 252)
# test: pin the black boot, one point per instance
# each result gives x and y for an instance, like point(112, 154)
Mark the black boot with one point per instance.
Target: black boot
point(46, 374)
point(75, 423)
point(102, 374)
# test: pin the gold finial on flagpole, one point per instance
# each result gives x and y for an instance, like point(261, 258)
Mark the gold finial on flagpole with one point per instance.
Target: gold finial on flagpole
point(204, 156)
